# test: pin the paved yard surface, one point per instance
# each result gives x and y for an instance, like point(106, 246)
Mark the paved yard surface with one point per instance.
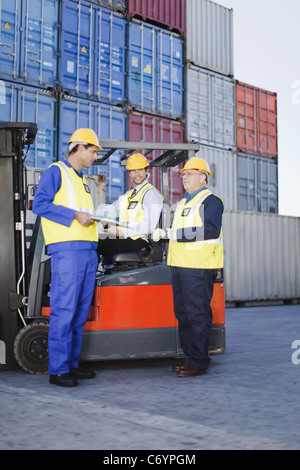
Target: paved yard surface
point(250, 398)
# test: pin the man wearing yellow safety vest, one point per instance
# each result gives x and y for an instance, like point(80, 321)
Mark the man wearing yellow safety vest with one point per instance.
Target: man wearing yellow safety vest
point(138, 212)
point(64, 202)
point(195, 253)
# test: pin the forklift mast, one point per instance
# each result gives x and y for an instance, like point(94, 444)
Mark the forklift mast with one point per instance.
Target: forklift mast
point(14, 137)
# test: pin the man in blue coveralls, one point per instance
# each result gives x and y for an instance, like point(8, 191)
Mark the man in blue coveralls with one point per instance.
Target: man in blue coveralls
point(64, 202)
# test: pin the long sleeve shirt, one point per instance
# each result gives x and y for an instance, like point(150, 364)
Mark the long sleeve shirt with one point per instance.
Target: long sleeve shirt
point(152, 205)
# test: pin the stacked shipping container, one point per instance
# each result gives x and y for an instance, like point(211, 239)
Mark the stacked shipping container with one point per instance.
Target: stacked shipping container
point(101, 64)
point(210, 94)
point(152, 71)
point(256, 122)
point(62, 65)
point(72, 63)
point(229, 116)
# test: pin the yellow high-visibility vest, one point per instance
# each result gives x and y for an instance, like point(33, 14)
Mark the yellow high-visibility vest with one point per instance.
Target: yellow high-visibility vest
point(73, 193)
point(131, 208)
point(206, 254)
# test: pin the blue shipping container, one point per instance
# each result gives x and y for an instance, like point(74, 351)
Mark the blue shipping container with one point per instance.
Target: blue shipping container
point(9, 38)
point(93, 51)
point(29, 41)
point(119, 5)
point(108, 122)
point(155, 77)
point(23, 103)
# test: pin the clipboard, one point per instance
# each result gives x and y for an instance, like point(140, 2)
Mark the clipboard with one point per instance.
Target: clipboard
point(104, 221)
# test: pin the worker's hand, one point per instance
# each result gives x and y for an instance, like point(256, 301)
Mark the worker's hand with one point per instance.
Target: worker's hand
point(158, 234)
point(171, 234)
point(84, 218)
point(114, 230)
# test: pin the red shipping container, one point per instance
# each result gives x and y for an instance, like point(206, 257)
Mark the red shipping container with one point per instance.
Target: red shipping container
point(170, 13)
point(256, 121)
point(148, 128)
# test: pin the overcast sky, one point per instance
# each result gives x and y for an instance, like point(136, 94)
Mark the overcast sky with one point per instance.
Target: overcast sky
point(267, 55)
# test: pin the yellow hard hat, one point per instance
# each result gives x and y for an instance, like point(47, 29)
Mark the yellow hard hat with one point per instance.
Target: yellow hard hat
point(85, 136)
point(137, 161)
point(196, 163)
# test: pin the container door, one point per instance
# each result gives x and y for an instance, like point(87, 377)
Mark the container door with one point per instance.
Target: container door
point(170, 75)
point(77, 47)
point(198, 105)
point(247, 184)
point(9, 38)
point(34, 105)
point(246, 118)
point(8, 102)
point(142, 65)
point(110, 64)
point(223, 102)
point(110, 123)
point(73, 114)
point(39, 51)
point(267, 182)
point(267, 123)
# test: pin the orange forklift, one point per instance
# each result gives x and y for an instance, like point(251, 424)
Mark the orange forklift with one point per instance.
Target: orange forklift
point(131, 316)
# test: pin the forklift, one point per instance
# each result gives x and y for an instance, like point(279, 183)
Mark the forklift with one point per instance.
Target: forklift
point(131, 316)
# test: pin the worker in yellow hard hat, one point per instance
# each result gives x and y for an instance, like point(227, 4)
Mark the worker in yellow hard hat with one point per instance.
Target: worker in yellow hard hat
point(195, 253)
point(138, 212)
point(64, 202)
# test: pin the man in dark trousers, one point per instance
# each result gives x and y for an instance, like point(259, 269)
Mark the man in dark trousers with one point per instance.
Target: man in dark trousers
point(195, 253)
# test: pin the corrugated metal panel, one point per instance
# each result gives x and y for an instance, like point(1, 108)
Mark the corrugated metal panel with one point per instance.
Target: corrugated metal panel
point(108, 122)
point(30, 104)
point(209, 36)
point(10, 39)
point(110, 66)
point(210, 104)
point(93, 51)
point(155, 78)
point(170, 13)
point(146, 128)
point(39, 47)
point(29, 41)
point(262, 257)
point(257, 184)
point(118, 5)
point(223, 182)
point(256, 120)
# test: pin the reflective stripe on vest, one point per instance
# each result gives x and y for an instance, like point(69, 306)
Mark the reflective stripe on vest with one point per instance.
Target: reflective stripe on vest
point(206, 254)
point(73, 193)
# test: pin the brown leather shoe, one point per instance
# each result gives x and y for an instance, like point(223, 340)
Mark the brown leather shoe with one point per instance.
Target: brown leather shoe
point(190, 370)
point(177, 367)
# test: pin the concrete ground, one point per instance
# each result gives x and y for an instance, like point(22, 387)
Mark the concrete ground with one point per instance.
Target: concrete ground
point(250, 398)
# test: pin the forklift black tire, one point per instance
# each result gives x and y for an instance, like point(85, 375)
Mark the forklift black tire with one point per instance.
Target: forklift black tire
point(31, 348)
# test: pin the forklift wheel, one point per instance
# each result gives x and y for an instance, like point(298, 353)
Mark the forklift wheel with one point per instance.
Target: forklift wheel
point(31, 348)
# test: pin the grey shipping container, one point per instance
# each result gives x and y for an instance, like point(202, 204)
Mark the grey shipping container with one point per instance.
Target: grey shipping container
point(210, 108)
point(262, 257)
point(223, 166)
point(209, 36)
point(257, 184)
